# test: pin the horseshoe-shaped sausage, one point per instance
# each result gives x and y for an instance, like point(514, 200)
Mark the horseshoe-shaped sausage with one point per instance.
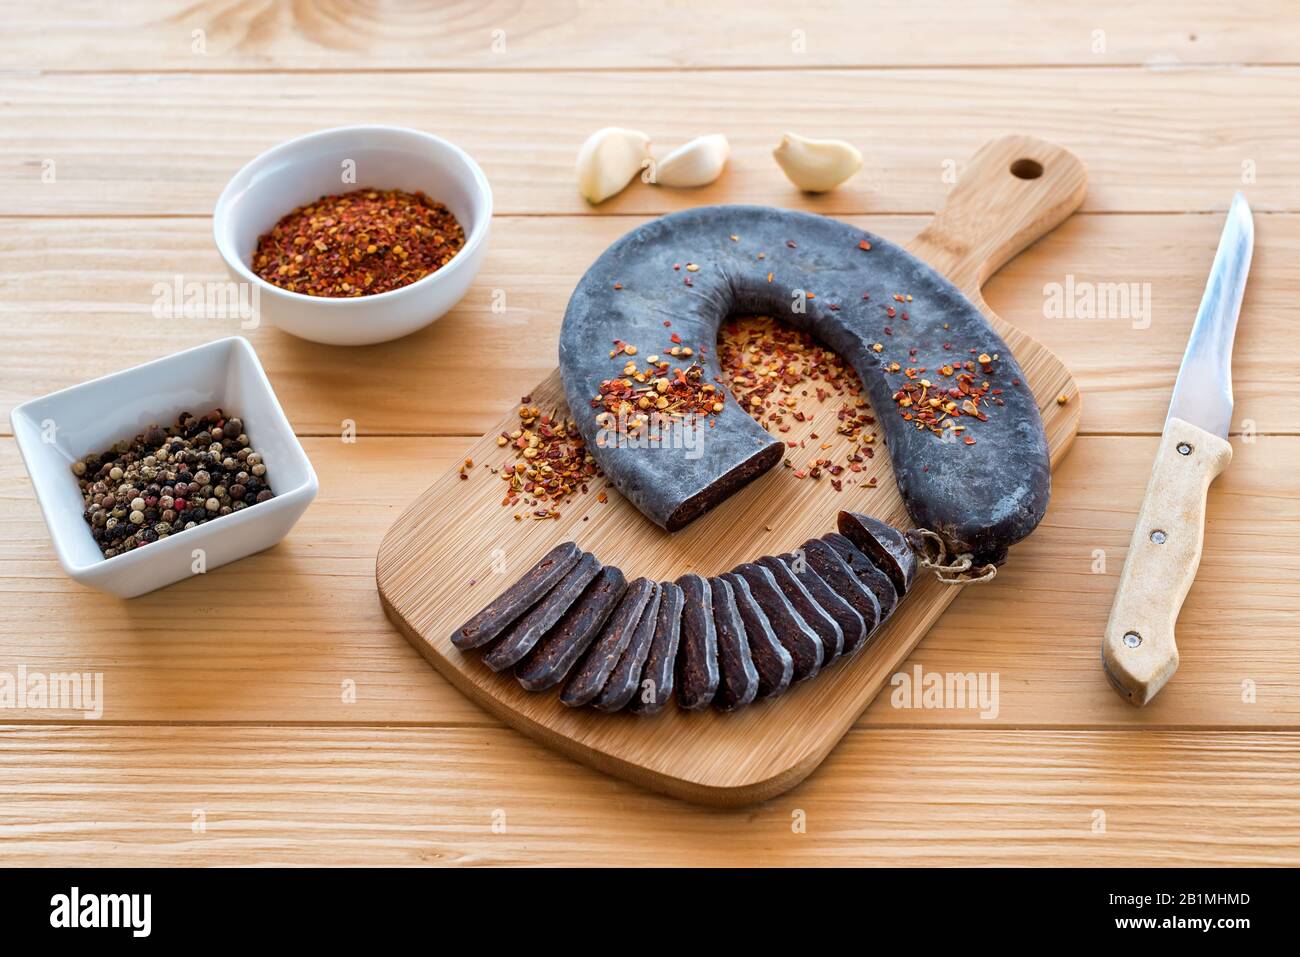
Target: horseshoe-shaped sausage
point(982, 488)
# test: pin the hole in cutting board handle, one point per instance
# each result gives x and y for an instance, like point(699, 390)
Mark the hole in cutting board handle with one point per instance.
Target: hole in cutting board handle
point(1026, 169)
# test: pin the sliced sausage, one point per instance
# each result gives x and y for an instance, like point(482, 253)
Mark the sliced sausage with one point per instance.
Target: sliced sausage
point(548, 663)
point(826, 562)
point(520, 638)
point(828, 630)
point(738, 678)
point(773, 663)
point(590, 677)
point(624, 679)
point(697, 655)
point(867, 573)
point(884, 545)
point(518, 598)
point(852, 625)
point(798, 637)
point(656, 685)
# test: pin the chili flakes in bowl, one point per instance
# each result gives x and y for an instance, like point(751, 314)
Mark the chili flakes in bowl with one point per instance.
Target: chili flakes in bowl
point(359, 243)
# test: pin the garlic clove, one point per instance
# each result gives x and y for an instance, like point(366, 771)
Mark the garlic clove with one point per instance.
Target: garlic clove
point(696, 163)
point(609, 160)
point(816, 166)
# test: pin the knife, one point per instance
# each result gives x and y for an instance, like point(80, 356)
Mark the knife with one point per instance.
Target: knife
point(1138, 652)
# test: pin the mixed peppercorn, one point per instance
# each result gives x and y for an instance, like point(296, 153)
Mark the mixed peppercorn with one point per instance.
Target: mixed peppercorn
point(164, 481)
point(358, 244)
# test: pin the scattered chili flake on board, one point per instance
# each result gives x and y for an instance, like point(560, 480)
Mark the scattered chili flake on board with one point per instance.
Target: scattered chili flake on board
point(551, 463)
point(775, 370)
point(626, 403)
point(359, 243)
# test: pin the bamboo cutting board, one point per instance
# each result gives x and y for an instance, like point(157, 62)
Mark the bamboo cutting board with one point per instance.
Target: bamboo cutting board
point(456, 547)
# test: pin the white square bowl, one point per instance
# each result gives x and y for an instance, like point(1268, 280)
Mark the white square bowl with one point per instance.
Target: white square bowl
point(56, 430)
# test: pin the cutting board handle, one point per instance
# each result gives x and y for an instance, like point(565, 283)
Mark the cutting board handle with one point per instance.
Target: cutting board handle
point(1014, 190)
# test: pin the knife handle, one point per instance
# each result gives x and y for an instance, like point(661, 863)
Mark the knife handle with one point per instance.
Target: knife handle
point(1138, 653)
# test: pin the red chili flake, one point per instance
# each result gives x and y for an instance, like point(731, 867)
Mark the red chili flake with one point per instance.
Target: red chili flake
point(864, 245)
point(769, 366)
point(790, 243)
point(618, 285)
point(937, 408)
point(889, 311)
point(360, 243)
point(551, 461)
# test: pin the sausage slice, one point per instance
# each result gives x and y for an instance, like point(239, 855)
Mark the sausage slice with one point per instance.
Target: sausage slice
point(828, 630)
point(548, 663)
point(738, 678)
point(827, 563)
point(852, 625)
point(656, 686)
point(867, 573)
point(798, 637)
point(884, 545)
point(623, 681)
point(697, 656)
point(585, 683)
point(518, 598)
point(773, 663)
point(520, 638)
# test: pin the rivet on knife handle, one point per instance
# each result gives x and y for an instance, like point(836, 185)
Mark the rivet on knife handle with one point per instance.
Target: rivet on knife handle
point(1139, 652)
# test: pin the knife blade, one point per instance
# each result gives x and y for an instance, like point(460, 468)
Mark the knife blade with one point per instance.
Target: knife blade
point(1139, 653)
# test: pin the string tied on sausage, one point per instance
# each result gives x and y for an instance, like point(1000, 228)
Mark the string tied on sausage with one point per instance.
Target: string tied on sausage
point(958, 569)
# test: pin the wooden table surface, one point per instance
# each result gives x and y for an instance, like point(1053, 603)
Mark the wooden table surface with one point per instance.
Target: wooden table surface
point(268, 713)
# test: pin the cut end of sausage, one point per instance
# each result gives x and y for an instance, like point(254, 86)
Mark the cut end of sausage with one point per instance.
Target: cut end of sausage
point(885, 545)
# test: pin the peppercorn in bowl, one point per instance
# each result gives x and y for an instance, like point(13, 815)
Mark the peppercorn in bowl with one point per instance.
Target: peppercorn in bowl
point(355, 235)
point(166, 470)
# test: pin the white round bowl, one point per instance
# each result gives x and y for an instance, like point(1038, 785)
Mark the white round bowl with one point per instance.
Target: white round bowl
point(338, 161)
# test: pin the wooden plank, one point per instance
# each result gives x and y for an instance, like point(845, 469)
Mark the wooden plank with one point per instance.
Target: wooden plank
point(281, 632)
point(75, 35)
point(1154, 140)
point(366, 796)
point(77, 298)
